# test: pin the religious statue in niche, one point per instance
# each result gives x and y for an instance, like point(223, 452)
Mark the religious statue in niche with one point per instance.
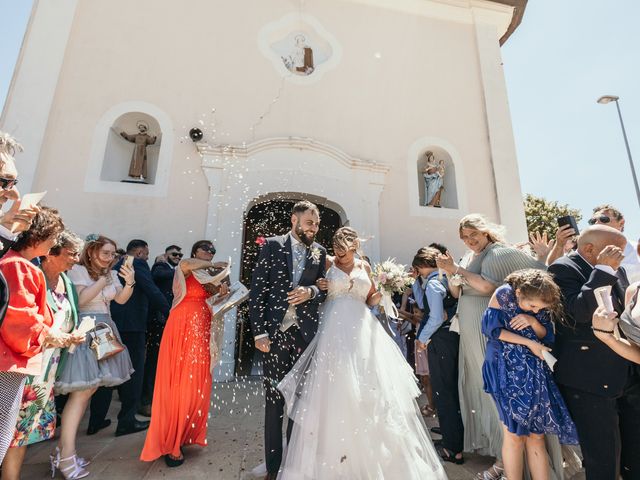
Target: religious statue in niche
point(433, 174)
point(138, 166)
point(300, 59)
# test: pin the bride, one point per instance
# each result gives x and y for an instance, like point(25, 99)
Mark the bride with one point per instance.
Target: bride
point(351, 395)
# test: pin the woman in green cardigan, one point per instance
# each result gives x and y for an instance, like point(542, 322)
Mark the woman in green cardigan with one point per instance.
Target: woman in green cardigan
point(63, 300)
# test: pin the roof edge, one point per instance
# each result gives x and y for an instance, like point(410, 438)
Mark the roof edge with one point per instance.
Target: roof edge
point(519, 7)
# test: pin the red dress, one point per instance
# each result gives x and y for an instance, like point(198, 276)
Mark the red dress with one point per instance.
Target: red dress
point(183, 380)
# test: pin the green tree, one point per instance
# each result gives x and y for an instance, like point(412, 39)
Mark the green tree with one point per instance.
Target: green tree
point(542, 214)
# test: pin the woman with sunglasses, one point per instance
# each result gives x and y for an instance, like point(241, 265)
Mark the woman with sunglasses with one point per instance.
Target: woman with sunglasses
point(97, 285)
point(182, 392)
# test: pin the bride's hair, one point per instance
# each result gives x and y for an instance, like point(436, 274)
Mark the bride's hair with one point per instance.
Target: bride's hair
point(346, 238)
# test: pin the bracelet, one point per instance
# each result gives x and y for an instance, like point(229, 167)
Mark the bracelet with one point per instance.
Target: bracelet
point(457, 268)
point(610, 332)
point(130, 284)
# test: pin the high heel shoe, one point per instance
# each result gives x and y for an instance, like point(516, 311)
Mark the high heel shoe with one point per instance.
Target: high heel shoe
point(83, 462)
point(73, 471)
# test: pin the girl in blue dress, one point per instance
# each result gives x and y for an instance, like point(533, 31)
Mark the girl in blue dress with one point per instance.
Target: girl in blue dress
point(519, 329)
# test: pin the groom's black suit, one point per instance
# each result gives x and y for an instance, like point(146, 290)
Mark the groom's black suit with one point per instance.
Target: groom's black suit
point(602, 389)
point(272, 280)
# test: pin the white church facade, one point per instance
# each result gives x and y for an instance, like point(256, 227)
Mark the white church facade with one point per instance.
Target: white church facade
point(336, 101)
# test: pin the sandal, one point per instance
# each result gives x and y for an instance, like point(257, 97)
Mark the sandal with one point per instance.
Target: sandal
point(495, 472)
point(172, 461)
point(448, 456)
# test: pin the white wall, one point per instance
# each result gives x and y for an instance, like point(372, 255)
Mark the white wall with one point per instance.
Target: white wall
point(407, 75)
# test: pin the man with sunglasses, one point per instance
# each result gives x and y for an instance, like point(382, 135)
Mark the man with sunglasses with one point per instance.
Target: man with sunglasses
point(612, 217)
point(162, 271)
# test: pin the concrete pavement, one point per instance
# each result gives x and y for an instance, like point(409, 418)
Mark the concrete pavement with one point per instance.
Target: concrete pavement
point(235, 445)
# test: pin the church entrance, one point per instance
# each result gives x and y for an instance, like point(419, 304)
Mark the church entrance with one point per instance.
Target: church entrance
point(266, 219)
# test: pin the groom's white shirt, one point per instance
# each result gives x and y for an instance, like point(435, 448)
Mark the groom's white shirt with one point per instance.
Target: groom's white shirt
point(290, 317)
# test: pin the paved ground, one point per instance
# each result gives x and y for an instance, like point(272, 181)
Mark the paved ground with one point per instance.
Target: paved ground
point(234, 438)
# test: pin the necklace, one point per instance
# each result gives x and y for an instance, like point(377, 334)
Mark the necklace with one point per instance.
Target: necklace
point(346, 268)
point(52, 281)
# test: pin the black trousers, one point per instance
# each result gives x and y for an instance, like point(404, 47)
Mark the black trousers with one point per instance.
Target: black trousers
point(608, 430)
point(443, 368)
point(286, 348)
point(129, 392)
point(154, 337)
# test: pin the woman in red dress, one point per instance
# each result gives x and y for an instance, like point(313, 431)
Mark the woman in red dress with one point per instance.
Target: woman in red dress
point(183, 380)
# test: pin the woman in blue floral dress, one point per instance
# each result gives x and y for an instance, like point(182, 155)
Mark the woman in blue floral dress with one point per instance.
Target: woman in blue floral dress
point(520, 331)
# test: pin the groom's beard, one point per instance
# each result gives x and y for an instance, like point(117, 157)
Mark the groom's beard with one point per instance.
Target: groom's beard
point(304, 237)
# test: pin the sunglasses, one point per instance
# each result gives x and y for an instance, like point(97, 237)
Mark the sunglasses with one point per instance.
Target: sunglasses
point(176, 254)
point(211, 249)
point(8, 183)
point(600, 219)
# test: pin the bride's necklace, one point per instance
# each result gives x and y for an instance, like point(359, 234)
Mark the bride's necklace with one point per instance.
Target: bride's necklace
point(351, 266)
point(348, 269)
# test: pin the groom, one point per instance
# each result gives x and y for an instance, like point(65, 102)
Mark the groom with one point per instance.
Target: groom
point(283, 310)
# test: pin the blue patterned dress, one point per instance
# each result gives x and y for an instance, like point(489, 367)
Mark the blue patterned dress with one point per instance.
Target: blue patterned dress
point(521, 384)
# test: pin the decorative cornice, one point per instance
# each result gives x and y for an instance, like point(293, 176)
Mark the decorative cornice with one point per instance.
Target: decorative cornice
point(506, 14)
point(212, 155)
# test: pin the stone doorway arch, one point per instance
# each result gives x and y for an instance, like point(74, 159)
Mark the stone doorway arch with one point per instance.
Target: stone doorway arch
point(241, 176)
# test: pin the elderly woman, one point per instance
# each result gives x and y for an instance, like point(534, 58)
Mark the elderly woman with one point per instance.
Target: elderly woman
point(485, 266)
point(27, 332)
point(63, 300)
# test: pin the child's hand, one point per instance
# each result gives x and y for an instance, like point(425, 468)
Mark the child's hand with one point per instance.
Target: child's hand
point(522, 321)
point(537, 349)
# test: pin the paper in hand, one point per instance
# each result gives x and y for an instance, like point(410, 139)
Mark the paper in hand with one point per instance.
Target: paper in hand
point(86, 325)
point(550, 359)
point(204, 276)
point(31, 200)
point(238, 293)
point(603, 297)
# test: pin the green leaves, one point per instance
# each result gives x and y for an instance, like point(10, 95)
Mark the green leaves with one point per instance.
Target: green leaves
point(541, 214)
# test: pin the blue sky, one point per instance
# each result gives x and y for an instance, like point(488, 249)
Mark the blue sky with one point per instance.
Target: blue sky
point(564, 55)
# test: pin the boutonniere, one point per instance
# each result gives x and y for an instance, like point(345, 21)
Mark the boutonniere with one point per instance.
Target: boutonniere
point(315, 253)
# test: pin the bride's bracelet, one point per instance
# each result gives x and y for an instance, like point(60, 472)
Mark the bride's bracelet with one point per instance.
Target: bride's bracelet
point(610, 332)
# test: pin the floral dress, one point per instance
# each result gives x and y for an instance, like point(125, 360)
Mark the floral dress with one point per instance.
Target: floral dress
point(521, 384)
point(37, 417)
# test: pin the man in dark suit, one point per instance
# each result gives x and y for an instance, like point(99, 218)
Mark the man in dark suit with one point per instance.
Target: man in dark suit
point(602, 390)
point(283, 310)
point(131, 320)
point(162, 272)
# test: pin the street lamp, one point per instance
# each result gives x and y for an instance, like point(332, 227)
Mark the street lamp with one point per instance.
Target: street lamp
point(612, 98)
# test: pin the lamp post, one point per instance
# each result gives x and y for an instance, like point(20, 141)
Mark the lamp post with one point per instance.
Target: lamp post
point(612, 98)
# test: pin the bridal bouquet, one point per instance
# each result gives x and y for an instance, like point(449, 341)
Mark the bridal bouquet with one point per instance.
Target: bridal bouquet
point(390, 277)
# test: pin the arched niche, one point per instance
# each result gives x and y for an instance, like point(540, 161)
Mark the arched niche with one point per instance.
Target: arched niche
point(454, 196)
point(119, 151)
point(111, 154)
point(442, 168)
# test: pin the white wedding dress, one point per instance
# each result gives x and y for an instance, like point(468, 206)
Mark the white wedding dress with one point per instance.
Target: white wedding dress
point(352, 397)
